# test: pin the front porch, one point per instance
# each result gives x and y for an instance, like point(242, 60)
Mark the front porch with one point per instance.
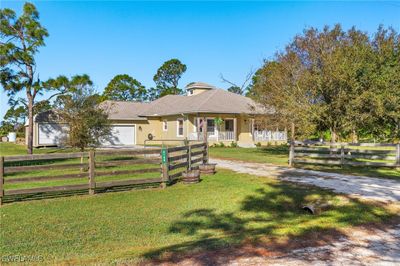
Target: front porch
point(216, 130)
point(236, 129)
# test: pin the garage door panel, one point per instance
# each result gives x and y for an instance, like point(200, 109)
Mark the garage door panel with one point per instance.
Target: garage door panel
point(121, 135)
point(52, 133)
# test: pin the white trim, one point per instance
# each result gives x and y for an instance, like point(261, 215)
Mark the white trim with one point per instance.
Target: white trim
point(177, 127)
point(166, 123)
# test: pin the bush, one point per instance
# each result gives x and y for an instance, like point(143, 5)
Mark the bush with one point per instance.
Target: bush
point(258, 144)
point(234, 144)
point(221, 144)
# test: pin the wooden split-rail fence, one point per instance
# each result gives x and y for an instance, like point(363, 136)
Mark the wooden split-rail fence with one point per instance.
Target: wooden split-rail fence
point(341, 154)
point(101, 169)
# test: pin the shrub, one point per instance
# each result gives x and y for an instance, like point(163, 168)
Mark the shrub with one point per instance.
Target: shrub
point(234, 144)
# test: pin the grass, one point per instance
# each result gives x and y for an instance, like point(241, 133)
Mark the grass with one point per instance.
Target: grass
point(225, 209)
point(8, 149)
point(279, 155)
point(271, 154)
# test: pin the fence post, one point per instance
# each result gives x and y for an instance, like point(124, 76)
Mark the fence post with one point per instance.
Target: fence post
point(205, 154)
point(398, 156)
point(342, 155)
point(1, 179)
point(92, 183)
point(291, 153)
point(189, 167)
point(164, 167)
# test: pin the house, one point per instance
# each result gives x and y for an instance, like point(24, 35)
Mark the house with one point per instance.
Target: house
point(220, 115)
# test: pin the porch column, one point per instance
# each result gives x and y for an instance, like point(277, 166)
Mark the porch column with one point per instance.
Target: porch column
point(234, 129)
point(252, 128)
point(196, 122)
point(216, 130)
point(205, 129)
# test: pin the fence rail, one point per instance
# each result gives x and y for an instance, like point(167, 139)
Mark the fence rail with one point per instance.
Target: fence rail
point(341, 154)
point(267, 135)
point(100, 169)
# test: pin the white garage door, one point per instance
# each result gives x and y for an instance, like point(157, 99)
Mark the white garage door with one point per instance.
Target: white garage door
point(122, 135)
point(51, 134)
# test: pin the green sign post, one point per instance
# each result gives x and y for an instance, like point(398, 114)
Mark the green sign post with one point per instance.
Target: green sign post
point(164, 155)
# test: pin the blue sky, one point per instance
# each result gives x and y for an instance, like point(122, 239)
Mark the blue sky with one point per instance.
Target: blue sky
point(103, 39)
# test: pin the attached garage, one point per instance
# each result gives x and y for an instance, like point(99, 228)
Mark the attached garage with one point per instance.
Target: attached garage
point(48, 131)
point(121, 135)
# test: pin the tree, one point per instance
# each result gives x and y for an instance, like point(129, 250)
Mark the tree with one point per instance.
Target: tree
point(167, 79)
point(21, 38)
point(79, 108)
point(243, 88)
point(15, 116)
point(236, 89)
point(330, 80)
point(386, 82)
point(124, 88)
point(13, 121)
point(281, 85)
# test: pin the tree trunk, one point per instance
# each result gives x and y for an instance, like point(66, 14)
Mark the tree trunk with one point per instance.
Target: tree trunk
point(354, 136)
point(30, 125)
point(292, 131)
point(333, 135)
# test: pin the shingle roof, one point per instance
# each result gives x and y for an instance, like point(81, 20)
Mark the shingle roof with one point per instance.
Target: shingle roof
point(124, 110)
point(212, 101)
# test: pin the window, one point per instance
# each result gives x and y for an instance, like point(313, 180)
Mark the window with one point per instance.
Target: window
point(210, 125)
point(179, 130)
point(165, 125)
point(229, 125)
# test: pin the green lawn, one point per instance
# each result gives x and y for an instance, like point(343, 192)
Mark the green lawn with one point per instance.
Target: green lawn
point(279, 155)
point(8, 149)
point(224, 209)
point(271, 154)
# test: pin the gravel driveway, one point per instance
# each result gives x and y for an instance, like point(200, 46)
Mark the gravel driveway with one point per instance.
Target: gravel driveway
point(378, 189)
point(359, 246)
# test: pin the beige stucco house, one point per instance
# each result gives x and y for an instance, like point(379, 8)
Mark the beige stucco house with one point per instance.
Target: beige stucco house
point(220, 115)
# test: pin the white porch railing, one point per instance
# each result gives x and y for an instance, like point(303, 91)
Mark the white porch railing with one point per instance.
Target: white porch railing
point(213, 136)
point(267, 135)
point(226, 135)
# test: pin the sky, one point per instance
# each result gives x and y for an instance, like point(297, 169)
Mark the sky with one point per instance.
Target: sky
point(106, 38)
